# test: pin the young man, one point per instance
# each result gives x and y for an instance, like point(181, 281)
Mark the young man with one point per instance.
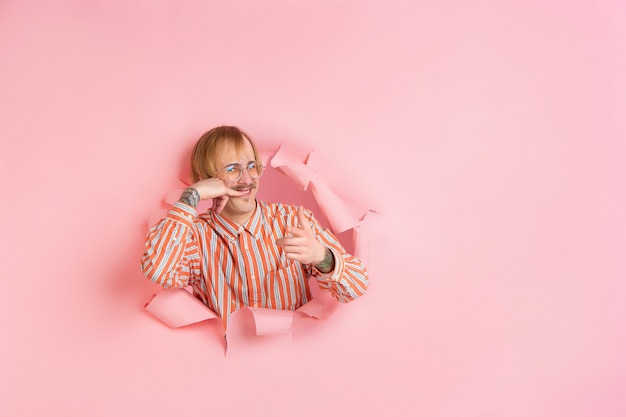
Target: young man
point(244, 252)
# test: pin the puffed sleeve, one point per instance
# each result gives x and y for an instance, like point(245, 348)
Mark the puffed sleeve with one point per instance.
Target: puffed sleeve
point(171, 257)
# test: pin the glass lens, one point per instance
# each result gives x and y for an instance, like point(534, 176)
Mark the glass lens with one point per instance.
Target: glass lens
point(254, 170)
point(233, 172)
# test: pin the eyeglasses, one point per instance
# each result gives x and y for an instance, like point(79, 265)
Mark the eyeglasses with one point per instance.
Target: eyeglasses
point(233, 172)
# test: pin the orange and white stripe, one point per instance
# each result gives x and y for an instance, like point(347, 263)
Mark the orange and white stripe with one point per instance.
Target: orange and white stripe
point(230, 267)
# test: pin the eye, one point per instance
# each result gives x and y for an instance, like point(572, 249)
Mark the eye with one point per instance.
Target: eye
point(252, 165)
point(230, 168)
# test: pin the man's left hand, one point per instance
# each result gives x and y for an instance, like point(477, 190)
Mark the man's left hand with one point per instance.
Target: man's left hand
point(300, 244)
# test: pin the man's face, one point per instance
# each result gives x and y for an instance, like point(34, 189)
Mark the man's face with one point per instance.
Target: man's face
point(241, 208)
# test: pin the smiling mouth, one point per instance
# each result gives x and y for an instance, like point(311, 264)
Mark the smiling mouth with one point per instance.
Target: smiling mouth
point(246, 190)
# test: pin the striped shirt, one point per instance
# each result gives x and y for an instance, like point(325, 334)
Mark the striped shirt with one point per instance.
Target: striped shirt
point(230, 266)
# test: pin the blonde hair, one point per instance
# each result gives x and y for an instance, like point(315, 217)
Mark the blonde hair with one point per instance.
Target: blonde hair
point(205, 150)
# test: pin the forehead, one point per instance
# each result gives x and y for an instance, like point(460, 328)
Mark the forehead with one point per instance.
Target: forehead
point(234, 152)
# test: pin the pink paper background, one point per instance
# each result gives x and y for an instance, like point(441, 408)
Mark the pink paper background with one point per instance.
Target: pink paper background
point(490, 135)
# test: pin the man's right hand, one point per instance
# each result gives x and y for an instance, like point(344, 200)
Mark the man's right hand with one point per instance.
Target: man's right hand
point(215, 189)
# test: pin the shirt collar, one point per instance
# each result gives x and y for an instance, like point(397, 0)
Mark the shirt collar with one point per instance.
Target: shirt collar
point(253, 226)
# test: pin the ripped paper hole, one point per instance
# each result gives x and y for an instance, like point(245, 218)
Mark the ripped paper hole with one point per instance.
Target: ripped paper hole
point(177, 307)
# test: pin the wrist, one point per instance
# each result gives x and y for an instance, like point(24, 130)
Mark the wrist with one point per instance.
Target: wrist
point(190, 197)
point(328, 263)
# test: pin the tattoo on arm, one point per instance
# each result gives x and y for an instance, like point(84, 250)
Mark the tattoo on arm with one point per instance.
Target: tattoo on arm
point(328, 264)
point(190, 196)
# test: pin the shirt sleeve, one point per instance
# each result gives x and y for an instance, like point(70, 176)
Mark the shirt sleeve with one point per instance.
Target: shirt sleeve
point(171, 256)
point(349, 279)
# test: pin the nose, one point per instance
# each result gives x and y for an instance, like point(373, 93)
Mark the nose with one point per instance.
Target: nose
point(245, 177)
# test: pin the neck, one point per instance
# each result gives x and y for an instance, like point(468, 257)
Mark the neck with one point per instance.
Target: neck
point(239, 218)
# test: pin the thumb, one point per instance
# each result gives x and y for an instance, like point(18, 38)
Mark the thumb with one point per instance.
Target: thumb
point(219, 203)
point(304, 222)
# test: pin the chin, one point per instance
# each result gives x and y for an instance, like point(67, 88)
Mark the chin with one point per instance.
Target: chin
point(243, 205)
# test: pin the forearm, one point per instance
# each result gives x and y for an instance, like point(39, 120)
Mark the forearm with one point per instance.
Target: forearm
point(349, 278)
point(169, 246)
point(343, 274)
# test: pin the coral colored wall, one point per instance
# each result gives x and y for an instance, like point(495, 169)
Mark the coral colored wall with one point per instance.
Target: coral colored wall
point(490, 135)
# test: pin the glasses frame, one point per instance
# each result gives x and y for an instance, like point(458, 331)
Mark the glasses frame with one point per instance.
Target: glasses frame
point(260, 168)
